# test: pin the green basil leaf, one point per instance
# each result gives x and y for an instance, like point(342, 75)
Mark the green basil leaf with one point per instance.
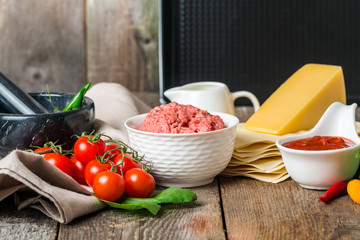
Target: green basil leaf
point(131, 200)
point(135, 204)
point(152, 204)
point(175, 195)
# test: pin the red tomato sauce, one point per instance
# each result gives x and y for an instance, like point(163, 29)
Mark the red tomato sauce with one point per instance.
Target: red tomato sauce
point(320, 143)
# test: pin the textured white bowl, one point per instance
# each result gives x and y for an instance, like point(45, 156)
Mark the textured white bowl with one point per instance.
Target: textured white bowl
point(321, 169)
point(184, 160)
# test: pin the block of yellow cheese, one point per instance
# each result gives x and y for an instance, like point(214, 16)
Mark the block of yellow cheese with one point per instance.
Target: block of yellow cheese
point(299, 103)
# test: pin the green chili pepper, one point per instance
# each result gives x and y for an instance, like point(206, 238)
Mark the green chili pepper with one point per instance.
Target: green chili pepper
point(76, 101)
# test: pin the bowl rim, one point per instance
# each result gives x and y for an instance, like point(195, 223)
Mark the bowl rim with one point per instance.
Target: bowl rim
point(89, 105)
point(233, 120)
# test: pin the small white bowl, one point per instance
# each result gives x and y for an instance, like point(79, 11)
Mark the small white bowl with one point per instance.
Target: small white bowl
point(321, 169)
point(184, 160)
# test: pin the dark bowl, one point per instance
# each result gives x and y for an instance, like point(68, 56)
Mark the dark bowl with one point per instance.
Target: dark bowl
point(26, 131)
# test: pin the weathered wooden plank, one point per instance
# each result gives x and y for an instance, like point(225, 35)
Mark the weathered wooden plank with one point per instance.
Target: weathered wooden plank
point(152, 99)
point(197, 220)
point(122, 43)
point(25, 224)
point(144, 17)
point(258, 210)
point(42, 42)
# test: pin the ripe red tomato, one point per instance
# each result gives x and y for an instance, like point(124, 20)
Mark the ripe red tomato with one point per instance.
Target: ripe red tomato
point(61, 162)
point(112, 154)
point(93, 168)
point(79, 170)
point(138, 183)
point(85, 150)
point(127, 164)
point(109, 186)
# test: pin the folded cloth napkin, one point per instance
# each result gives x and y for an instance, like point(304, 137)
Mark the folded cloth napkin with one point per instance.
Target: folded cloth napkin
point(113, 105)
point(35, 183)
point(256, 156)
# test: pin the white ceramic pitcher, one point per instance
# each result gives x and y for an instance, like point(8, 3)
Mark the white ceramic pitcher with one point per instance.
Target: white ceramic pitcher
point(211, 96)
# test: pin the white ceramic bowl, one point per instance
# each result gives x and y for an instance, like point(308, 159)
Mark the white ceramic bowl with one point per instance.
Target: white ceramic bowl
point(184, 160)
point(322, 169)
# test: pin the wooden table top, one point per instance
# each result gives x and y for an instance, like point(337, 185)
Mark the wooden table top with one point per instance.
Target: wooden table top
point(228, 208)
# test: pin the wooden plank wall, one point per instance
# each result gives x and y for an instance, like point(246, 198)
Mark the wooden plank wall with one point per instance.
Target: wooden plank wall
point(66, 43)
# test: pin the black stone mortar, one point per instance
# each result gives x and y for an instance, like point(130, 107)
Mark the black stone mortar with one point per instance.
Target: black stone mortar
point(22, 132)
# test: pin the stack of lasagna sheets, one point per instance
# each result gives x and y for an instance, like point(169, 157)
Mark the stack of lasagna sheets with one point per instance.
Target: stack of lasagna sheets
point(256, 156)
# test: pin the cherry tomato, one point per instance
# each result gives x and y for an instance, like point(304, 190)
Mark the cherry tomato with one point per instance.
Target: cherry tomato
point(93, 168)
point(138, 183)
point(85, 150)
point(61, 162)
point(127, 164)
point(109, 186)
point(79, 170)
point(112, 154)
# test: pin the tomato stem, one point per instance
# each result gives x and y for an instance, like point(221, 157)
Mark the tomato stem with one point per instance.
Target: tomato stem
point(53, 149)
point(52, 104)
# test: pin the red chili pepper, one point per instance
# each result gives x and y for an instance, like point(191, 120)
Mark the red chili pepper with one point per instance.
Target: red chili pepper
point(335, 190)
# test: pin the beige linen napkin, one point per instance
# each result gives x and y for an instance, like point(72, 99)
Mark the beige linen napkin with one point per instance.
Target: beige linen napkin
point(35, 183)
point(113, 105)
point(256, 156)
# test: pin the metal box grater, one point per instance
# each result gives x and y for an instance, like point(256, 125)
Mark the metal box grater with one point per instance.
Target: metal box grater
point(256, 45)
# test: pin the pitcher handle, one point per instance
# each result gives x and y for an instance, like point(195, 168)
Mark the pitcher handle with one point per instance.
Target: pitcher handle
point(249, 95)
